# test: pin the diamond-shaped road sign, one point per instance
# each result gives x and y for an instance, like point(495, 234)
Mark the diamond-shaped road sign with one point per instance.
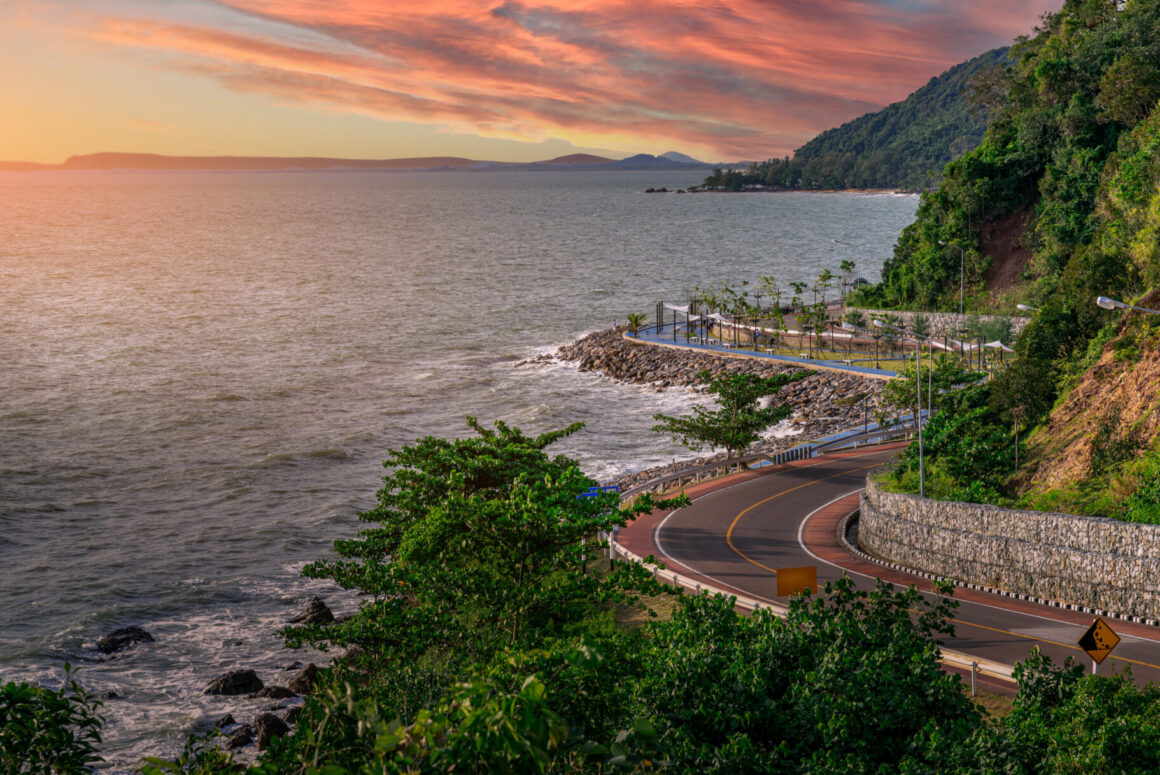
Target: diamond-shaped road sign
point(1098, 641)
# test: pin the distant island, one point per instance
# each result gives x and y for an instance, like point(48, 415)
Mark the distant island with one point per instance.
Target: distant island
point(150, 161)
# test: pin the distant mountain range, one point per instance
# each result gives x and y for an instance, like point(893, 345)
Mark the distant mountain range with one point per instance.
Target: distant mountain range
point(148, 161)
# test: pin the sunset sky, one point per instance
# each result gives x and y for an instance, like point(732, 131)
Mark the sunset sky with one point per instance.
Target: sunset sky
point(509, 80)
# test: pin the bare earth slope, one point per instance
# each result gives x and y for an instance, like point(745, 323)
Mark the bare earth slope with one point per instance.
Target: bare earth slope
point(1124, 387)
point(1005, 242)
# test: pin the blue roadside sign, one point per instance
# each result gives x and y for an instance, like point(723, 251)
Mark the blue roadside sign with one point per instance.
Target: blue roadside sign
point(592, 492)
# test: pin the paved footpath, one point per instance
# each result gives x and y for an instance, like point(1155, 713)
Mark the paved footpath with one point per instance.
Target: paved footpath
point(741, 528)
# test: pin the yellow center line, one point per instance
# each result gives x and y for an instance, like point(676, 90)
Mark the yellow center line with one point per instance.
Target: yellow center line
point(747, 558)
point(1071, 646)
point(732, 525)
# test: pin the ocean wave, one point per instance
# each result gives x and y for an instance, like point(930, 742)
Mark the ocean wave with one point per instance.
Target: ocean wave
point(227, 397)
point(293, 458)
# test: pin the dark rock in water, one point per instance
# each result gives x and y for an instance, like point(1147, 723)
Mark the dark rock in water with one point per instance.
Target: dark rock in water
point(291, 714)
point(273, 693)
point(242, 736)
point(112, 695)
point(303, 683)
point(316, 613)
point(225, 721)
point(119, 639)
point(268, 726)
point(235, 682)
point(293, 666)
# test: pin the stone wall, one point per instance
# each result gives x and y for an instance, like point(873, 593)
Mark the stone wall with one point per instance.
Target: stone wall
point(1090, 562)
point(944, 323)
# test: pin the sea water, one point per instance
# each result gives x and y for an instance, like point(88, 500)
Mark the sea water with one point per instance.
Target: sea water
point(200, 374)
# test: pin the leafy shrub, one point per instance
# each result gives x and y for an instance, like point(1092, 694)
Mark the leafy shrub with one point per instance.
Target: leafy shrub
point(1143, 505)
point(47, 731)
point(1113, 444)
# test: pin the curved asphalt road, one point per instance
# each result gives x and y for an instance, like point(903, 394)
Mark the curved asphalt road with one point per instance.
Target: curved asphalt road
point(738, 531)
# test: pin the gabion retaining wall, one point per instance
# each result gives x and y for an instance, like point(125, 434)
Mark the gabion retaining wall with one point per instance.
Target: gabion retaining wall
point(945, 323)
point(1091, 562)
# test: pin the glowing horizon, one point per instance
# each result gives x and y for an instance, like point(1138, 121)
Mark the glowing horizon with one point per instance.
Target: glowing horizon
point(504, 81)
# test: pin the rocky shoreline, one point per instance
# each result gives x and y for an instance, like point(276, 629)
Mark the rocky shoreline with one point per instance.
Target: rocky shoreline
point(826, 402)
point(283, 701)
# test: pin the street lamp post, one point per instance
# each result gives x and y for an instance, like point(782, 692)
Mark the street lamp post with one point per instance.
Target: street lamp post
point(1105, 303)
point(853, 328)
point(918, 393)
point(918, 419)
point(961, 272)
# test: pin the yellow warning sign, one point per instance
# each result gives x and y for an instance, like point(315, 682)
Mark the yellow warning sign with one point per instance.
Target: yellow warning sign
point(790, 581)
point(1098, 641)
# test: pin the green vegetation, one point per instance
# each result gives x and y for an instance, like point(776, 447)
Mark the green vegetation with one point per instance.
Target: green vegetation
point(1070, 166)
point(903, 146)
point(45, 731)
point(1068, 147)
point(968, 450)
point(488, 643)
point(636, 321)
point(490, 640)
point(738, 421)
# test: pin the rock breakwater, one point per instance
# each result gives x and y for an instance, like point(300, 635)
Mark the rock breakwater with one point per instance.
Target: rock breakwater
point(823, 403)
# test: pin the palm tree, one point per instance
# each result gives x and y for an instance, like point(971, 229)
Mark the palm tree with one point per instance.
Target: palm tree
point(635, 321)
point(847, 268)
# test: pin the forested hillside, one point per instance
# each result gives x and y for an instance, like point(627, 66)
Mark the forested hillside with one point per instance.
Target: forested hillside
point(903, 146)
point(1060, 156)
point(1060, 204)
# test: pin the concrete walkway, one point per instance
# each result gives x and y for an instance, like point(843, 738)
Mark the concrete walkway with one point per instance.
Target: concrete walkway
point(664, 338)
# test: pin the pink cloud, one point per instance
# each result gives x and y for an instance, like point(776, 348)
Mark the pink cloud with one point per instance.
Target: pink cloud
point(731, 78)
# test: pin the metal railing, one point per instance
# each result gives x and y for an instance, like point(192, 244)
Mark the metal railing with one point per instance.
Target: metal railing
point(800, 452)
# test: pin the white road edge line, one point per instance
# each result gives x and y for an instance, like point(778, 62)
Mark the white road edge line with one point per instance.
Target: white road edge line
point(802, 543)
point(959, 659)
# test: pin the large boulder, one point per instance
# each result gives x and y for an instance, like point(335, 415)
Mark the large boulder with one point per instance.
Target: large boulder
point(242, 736)
point(303, 681)
point(316, 612)
point(273, 693)
point(235, 682)
point(119, 639)
point(268, 726)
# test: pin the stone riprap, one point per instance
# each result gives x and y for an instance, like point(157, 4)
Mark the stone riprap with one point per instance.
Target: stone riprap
point(1091, 562)
point(814, 400)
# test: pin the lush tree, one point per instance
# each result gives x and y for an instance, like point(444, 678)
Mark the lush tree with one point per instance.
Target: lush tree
point(968, 449)
point(48, 731)
point(478, 547)
point(849, 681)
point(945, 375)
point(482, 535)
point(1066, 722)
point(739, 419)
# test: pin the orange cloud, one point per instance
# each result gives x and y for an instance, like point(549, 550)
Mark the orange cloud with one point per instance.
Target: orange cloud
point(727, 78)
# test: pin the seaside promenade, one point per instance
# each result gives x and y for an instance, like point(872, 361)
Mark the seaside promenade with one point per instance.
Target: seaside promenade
point(670, 336)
